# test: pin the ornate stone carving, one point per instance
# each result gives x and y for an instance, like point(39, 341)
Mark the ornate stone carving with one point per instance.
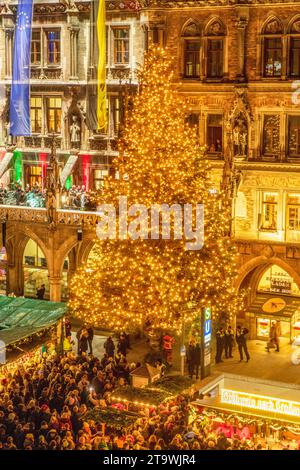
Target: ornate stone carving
point(215, 29)
point(191, 29)
point(273, 27)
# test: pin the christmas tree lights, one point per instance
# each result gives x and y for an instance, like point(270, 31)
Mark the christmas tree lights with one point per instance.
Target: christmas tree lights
point(129, 283)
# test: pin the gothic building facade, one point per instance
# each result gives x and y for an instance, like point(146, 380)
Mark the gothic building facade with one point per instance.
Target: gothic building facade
point(237, 64)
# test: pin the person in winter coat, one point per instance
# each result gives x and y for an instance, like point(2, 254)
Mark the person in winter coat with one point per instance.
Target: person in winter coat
point(197, 355)
point(122, 345)
point(190, 357)
point(90, 331)
point(109, 347)
point(274, 337)
point(220, 339)
point(83, 341)
point(229, 340)
point(241, 340)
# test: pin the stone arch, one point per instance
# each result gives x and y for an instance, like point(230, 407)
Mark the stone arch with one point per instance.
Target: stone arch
point(293, 26)
point(272, 25)
point(215, 27)
point(258, 266)
point(191, 28)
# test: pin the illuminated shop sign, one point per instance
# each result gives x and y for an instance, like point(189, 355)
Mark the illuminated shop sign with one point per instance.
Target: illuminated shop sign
point(260, 402)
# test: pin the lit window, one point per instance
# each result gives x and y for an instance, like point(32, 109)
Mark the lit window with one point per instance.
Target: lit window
point(192, 59)
point(293, 212)
point(99, 176)
point(272, 48)
point(53, 47)
point(36, 114)
point(36, 48)
point(294, 136)
point(273, 57)
point(54, 115)
point(271, 135)
point(214, 133)
point(121, 45)
point(269, 211)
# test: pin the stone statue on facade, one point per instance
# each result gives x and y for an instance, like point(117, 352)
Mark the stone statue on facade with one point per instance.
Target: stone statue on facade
point(75, 132)
point(240, 135)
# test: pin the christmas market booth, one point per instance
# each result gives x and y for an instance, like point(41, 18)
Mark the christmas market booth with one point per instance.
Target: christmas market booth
point(250, 409)
point(24, 320)
point(152, 395)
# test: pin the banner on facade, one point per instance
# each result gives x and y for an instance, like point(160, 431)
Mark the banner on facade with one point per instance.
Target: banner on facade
point(20, 88)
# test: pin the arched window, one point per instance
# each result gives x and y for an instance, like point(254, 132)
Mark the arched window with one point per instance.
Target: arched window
point(192, 41)
point(272, 49)
point(35, 270)
point(215, 35)
point(294, 50)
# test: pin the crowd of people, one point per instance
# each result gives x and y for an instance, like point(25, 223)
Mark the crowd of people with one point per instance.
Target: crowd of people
point(46, 399)
point(76, 198)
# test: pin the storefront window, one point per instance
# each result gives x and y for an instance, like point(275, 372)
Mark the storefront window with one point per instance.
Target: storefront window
point(262, 327)
point(35, 270)
point(269, 211)
point(276, 280)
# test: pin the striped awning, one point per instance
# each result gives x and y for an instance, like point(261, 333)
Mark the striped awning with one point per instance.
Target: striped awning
point(5, 162)
point(67, 170)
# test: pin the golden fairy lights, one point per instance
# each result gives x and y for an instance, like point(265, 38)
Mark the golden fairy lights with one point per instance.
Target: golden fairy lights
point(127, 283)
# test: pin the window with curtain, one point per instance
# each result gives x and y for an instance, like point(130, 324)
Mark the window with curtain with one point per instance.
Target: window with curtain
point(53, 47)
point(192, 59)
point(215, 58)
point(121, 45)
point(36, 48)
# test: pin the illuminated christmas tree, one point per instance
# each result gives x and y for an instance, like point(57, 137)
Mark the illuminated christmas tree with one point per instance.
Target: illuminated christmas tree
point(128, 283)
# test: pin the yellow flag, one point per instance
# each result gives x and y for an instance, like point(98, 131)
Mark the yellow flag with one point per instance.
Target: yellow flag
point(101, 79)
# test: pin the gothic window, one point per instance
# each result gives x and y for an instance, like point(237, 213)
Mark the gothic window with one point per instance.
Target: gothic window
point(294, 52)
point(192, 42)
point(214, 133)
point(271, 135)
point(272, 49)
point(294, 136)
point(215, 50)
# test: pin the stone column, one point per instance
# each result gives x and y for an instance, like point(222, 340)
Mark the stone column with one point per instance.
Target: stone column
point(8, 51)
point(55, 288)
point(242, 22)
point(74, 30)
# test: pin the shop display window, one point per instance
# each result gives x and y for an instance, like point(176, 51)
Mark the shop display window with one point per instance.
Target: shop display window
point(263, 327)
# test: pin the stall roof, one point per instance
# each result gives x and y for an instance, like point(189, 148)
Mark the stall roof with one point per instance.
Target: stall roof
point(20, 317)
point(292, 304)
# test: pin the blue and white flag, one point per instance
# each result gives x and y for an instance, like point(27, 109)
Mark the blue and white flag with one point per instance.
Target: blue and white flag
point(20, 87)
